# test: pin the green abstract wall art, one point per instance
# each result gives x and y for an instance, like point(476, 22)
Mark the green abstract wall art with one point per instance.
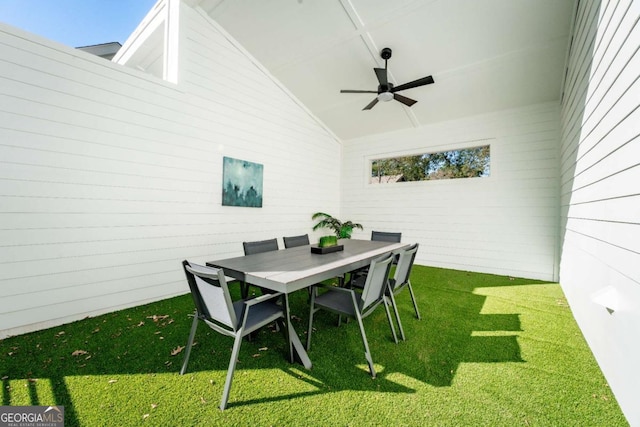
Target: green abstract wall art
point(241, 183)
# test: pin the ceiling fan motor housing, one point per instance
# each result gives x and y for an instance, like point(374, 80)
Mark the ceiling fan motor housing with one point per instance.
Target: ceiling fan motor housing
point(385, 88)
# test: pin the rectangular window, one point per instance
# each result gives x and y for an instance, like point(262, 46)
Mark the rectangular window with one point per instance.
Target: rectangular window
point(464, 163)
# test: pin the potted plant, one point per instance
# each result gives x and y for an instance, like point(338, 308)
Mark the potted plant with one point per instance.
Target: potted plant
point(341, 229)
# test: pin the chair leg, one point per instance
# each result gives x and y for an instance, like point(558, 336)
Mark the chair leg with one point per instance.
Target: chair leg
point(283, 327)
point(244, 289)
point(231, 370)
point(395, 311)
point(386, 304)
point(311, 311)
point(413, 298)
point(346, 319)
point(367, 353)
point(192, 334)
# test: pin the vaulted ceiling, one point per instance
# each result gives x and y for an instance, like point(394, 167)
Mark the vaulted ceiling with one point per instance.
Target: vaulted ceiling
point(484, 55)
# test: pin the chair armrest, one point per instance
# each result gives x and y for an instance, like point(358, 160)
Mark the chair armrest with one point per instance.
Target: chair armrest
point(262, 298)
point(339, 289)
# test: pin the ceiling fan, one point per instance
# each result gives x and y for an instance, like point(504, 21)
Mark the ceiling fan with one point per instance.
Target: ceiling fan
point(386, 90)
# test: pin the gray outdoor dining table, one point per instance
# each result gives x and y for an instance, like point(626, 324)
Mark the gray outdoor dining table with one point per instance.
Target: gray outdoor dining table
point(289, 270)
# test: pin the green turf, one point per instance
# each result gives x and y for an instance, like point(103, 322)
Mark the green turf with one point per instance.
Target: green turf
point(489, 351)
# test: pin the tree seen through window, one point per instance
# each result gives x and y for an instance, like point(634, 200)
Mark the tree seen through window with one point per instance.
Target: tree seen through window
point(464, 163)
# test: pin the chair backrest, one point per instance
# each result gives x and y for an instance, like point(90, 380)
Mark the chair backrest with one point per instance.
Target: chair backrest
point(383, 236)
point(293, 241)
point(211, 294)
point(377, 279)
point(257, 247)
point(405, 264)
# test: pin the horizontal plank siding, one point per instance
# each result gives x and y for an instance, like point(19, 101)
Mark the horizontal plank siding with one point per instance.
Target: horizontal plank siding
point(109, 177)
point(600, 190)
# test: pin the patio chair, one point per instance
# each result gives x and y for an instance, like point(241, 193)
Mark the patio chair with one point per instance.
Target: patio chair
point(348, 302)
point(257, 247)
point(293, 241)
point(377, 236)
point(260, 246)
point(235, 319)
point(401, 280)
point(384, 236)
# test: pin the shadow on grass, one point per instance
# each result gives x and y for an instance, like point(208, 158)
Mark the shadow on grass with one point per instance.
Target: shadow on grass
point(141, 340)
point(454, 329)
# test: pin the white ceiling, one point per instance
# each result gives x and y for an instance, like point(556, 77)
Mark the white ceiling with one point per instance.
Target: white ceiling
point(484, 55)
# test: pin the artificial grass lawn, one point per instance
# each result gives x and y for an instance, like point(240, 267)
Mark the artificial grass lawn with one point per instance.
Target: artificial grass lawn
point(489, 350)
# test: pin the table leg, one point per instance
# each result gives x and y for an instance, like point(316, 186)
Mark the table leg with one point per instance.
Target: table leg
point(294, 340)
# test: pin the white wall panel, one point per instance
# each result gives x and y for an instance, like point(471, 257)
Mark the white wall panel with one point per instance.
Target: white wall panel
point(506, 223)
point(110, 177)
point(600, 188)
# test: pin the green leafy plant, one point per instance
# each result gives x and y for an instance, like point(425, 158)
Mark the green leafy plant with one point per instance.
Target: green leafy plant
point(341, 229)
point(328, 241)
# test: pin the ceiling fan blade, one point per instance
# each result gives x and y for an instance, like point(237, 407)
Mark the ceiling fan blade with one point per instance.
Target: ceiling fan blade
point(406, 101)
point(371, 104)
point(358, 91)
point(420, 82)
point(381, 74)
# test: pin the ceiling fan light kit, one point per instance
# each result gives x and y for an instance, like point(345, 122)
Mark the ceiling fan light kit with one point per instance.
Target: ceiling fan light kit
point(385, 96)
point(386, 90)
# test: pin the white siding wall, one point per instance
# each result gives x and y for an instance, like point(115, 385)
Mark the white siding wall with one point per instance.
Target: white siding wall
point(600, 190)
point(109, 177)
point(505, 224)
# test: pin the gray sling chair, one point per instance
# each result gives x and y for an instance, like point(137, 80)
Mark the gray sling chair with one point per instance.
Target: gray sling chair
point(235, 319)
point(401, 280)
point(383, 236)
point(260, 246)
point(257, 247)
point(376, 236)
point(348, 302)
point(294, 241)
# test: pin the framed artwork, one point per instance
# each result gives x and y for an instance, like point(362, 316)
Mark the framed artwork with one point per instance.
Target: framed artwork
point(241, 183)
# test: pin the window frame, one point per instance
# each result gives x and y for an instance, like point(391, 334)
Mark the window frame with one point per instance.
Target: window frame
point(490, 142)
